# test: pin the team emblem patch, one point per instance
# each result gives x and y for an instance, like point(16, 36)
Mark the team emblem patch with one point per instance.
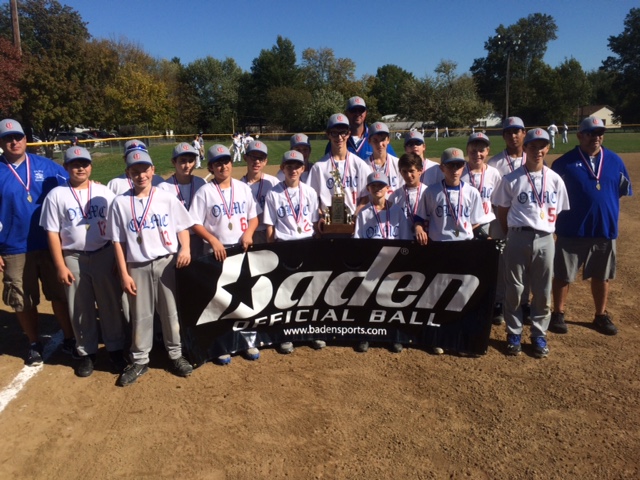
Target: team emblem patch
point(9, 125)
point(136, 156)
point(77, 151)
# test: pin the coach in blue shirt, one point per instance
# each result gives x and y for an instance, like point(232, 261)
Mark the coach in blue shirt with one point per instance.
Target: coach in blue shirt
point(596, 178)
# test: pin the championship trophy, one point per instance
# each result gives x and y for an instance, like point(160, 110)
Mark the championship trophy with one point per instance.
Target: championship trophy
point(337, 218)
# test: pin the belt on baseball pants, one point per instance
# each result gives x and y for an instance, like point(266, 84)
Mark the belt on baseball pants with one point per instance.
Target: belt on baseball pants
point(529, 229)
point(91, 252)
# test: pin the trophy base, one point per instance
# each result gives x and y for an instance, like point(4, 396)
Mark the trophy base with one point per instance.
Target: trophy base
point(335, 230)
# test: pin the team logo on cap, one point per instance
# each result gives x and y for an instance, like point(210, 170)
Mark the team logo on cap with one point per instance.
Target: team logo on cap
point(220, 150)
point(412, 134)
point(77, 151)
point(136, 156)
point(298, 138)
point(512, 121)
point(258, 145)
point(9, 125)
point(294, 154)
point(456, 153)
point(358, 100)
point(596, 121)
point(185, 147)
point(538, 132)
point(340, 118)
point(376, 175)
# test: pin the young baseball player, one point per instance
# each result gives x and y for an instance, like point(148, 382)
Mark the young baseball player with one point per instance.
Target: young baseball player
point(529, 200)
point(382, 161)
point(291, 212)
point(451, 209)
point(75, 218)
point(300, 143)
point(226, 215)
point(482, 177)
point(184, 185)
point(510, 159)
point(351, 169)
point(122, 183)
point(411, 194)
point(197, 146)
point(414, 143)
point(259, 182)
point(150, 232)
point(383, 220)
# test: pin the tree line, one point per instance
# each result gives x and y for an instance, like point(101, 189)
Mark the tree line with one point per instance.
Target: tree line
point(65, 77)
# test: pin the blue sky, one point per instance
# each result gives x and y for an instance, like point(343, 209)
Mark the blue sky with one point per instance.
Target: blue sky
point(414, 35)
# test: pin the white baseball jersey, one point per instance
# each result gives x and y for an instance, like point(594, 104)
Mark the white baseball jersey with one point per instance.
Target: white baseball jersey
point(431, 172)
point(148, 226)
point(282, 210)
point(390, 169)
point(226, 216)
point(303, 176)
point(259, 190)
point(409, 200)
point(184, 193)
point(81, 221)
point(486, 184)
point(388, 223)
point(505, 164)
point(121, 184)
point(527, 208)
point(443, 204)
point(354, 180)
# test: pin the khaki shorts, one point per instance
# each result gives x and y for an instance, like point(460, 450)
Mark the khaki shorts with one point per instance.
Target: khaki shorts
point(21, 273)
point(597, 255)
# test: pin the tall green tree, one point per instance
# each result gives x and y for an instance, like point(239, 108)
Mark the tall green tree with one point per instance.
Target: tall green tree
point(521, 47)
point(390, 81)
point(211, 87)
point(626, 67)
point(321, 69)
point(51, 36)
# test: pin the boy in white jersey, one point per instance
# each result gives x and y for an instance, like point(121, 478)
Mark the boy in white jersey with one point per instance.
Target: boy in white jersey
point(380, 219)
point(226, 215)
point(511, 158)
point(411, 194)
point(451, 209)
point(150, 232)
point(529, 200)
point(300, 143)
point(351, 169)
point(291, 212)
point(414, 143)
point(482, 177)
point(75, 218)
point(184, 185)
point(382, 161)
point(259, 182)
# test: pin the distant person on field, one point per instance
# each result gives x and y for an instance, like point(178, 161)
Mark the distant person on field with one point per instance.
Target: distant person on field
point(565, 133)
point(552, 129)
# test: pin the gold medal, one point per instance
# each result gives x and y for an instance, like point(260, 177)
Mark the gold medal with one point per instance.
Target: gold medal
point(29, 199)
point(598, 185)
point(541, 215)
point(139, 240)
point(230, 226)
point(87, 226)
point(299, 230)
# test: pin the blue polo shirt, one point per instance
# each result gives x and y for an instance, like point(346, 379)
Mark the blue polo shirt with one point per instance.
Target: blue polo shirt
point(20, 229)
point(594, 212)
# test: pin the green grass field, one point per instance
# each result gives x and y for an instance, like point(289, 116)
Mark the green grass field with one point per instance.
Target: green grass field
point(108, 162)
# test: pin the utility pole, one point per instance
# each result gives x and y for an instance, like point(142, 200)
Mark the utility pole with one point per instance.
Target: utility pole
point(511, 43)
point(15, 24)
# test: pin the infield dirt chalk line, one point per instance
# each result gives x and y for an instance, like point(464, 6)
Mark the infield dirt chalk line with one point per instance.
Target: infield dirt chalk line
point(27, 373)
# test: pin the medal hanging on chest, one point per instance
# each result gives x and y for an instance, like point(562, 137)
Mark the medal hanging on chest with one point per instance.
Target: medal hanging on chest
point(539, 197)
point(138, 225)
point(297, 217)
point(27, 186)
point(84, 209)
point(457, 213)
point(228, 209)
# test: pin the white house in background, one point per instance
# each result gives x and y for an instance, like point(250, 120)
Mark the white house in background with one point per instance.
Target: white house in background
point(602, 112)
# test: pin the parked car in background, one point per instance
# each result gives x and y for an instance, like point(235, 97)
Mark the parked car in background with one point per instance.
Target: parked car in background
point(71, 136)
point(101, 134)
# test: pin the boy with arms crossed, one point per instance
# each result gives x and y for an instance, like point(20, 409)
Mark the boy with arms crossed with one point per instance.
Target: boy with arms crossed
point(145, 225)
point(529, 200)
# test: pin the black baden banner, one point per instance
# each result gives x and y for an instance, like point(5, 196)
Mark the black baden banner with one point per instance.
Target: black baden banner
point(340, 291)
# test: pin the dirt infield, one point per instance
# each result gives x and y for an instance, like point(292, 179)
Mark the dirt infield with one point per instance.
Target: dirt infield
point(338, 414)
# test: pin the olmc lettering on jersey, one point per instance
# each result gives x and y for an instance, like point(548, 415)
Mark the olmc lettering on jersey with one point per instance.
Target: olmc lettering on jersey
point(439, 295)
